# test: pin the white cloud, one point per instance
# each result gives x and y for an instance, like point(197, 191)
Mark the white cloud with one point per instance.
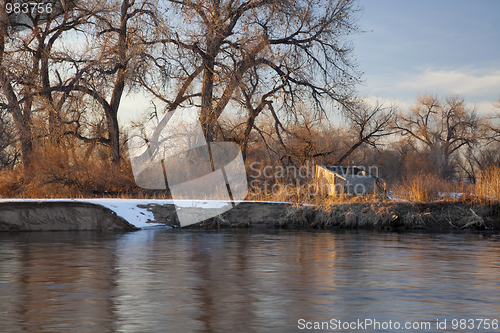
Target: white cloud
point(478, 87)
point(481, 107)
point(455, 82)
point(485, 107)
point(387, 102)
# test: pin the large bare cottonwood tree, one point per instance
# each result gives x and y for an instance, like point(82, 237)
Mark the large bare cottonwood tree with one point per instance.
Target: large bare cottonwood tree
point(253, 56)
point(27, 50)
point(442, 127)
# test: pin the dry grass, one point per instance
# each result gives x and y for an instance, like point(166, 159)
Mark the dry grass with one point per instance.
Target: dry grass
point(425, 188)
point(388, 215)
point(301, 193)
point(421, 188)
point(57, 174)
point(60, 175)
point(11, 182)
point(425, 207)
point(282, 190)
point(488, 188)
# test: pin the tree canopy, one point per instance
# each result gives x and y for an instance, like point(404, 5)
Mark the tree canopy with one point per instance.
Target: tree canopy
point(249, 55)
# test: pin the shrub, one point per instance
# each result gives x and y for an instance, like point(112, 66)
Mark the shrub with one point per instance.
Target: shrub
point(488, 187)
point(60, 173)
point(421, 188)
point(10, 182)
point(58, 176)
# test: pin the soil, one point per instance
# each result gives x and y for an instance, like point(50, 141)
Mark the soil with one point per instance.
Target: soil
point(244, 215)
point(59, 216)
point(381, 215)
point(385, 215)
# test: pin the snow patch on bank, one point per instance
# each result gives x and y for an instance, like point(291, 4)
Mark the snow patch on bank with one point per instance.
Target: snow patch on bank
point(441, 196)
point(141, 217)
point(127, 209)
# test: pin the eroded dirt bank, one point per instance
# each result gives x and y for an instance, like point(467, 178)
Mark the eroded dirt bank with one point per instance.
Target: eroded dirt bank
point(59, 216)
point(385, 215)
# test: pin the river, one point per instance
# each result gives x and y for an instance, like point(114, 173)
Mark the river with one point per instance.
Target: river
point(171, 280)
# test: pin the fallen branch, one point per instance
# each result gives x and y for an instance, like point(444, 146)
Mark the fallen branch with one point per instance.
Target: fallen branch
point(478, 221)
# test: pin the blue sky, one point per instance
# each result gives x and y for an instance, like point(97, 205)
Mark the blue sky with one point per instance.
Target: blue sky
point(442, 47)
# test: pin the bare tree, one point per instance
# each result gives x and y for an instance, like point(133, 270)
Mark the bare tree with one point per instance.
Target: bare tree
point(484, 153)
point(442, 127)
point(26, 50)
point(254, 54)
point(60, 80)
point(109, 64)
point(370, 125)
point(9, 152)
point(258, 54)
point(11, 100)
point(311, 136)
point(491, 127)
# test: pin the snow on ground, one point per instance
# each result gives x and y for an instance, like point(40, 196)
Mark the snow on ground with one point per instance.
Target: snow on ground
point(441, 196)
point(451, 195)
point(125, 208)
point(129, 210)
point(140, 217)
point(391, 196)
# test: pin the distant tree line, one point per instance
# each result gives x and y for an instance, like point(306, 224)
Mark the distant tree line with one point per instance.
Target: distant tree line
point(439, 136)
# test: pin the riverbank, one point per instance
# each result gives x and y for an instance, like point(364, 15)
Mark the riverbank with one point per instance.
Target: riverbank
point(59, 216)
point(126, 214)
point(383, 215)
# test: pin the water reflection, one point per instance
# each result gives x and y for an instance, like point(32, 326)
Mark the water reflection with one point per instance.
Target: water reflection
point(55, 282)
point(190, 281)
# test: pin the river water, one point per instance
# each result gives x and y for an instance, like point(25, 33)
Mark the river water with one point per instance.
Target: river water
point(165, 280)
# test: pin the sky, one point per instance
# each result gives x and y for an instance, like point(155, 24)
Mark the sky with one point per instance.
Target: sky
point(439, 47)
point(411, 47)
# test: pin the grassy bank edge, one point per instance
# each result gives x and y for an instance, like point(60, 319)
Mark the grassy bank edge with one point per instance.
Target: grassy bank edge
point(383, 215)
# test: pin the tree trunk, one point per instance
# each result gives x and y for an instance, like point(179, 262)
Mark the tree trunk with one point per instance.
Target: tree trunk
point(112, 113)
point(248, 130)
point(114, 137)
point(22, 120)
point(206, 99)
